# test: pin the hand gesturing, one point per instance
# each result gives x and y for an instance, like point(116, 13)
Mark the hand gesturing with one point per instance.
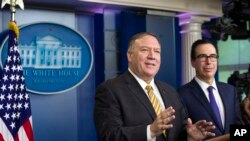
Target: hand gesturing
point(199, 130)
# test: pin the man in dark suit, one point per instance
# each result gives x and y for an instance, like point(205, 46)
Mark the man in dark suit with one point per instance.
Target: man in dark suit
point(196, 95)
point(126, 110)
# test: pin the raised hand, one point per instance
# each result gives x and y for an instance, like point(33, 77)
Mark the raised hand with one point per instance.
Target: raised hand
point(162, 122)
point(200, 130)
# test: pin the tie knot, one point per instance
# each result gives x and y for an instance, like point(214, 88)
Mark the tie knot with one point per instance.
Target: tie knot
point(149, 88)
point(210, 89)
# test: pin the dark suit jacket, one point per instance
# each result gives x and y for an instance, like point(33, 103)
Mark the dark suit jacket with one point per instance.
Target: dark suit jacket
point(123, 111)
point(198, 106)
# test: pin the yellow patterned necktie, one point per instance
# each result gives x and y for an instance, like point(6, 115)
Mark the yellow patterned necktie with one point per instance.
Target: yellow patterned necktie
point(155, 103)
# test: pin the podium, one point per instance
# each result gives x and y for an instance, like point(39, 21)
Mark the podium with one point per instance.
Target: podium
point(225, 137)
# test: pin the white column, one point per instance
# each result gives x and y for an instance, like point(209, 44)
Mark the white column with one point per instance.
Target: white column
point(190, 31)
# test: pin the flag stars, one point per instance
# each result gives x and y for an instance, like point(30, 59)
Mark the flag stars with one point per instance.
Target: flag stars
point(22, 87)
point(6, 68)
point(8, 106)
point(15, 48)
point(11, 49)
point(13, 68)
point(20, 97)
point(16, 87)
point(13, 116)
point(3, 87)
point(18, 60)
point(6, 116)
point(26, 97)
point(14, 106)
point(11, 87)
point(17, 77)
point(1, 106)
point(26, 105)
point(22, 79)
point(15, 96)
point(5, 77)
point(18, 115)
point(14, 58)
point(9, 58)
point(19, 106)
point(9, 96)
point(12, 77)
point(2, 97)
point(12, 125)
point(19, 68)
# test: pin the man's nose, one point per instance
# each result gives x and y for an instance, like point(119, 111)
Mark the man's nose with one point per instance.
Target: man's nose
point(151, 54)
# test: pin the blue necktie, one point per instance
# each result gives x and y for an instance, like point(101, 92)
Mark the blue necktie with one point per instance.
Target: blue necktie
point(214, 105)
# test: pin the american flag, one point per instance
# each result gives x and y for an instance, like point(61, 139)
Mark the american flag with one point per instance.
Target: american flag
point(15, 110)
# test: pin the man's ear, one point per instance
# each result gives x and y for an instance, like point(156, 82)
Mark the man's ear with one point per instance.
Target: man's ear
point(193, 63)
point(129, 56)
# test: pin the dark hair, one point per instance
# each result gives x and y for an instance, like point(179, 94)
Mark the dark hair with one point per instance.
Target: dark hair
point(140, 35)
point(197, 43)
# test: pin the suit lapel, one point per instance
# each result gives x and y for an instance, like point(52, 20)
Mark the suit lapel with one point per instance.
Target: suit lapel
point(200, 95)
point(139, 93)
point(164, 95)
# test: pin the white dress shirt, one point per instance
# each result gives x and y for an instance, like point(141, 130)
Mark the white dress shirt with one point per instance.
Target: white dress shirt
point(217, 97)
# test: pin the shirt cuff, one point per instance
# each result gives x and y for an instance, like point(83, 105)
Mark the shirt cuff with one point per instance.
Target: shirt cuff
point(149, 138)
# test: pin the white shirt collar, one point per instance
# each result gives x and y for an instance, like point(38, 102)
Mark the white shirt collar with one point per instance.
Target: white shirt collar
point(142, 83)
point(204, 85)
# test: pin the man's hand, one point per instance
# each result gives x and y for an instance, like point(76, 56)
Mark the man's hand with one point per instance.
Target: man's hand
point(162, 122)
point(200, 130)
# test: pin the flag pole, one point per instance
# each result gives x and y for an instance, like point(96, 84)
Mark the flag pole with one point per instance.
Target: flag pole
point(18, 125)
point(13, 4)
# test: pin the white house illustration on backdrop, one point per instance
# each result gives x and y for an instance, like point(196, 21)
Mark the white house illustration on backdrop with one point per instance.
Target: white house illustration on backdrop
point(50, 52)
